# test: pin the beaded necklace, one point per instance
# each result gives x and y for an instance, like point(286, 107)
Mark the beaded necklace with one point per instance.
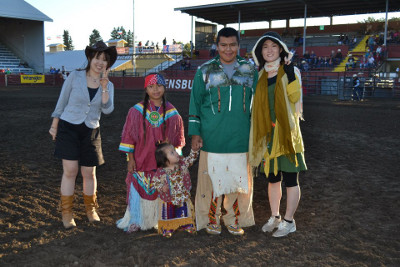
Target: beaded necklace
point(154, 116)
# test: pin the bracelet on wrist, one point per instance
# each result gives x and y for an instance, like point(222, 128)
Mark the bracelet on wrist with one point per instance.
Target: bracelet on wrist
point(104, 91)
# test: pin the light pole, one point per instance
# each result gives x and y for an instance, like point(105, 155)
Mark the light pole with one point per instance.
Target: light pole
point(133, 37)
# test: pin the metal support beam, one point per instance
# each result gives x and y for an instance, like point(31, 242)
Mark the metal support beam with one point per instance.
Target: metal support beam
point(239, 17)
point(305, 28)
point(191, 40)
point(386, 21)
point(133, 36)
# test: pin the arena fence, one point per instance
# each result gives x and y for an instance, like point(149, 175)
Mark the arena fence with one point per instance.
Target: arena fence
point(374, 85)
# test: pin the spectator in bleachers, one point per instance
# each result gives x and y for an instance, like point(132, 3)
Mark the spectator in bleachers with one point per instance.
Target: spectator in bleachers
point(380, 40)
point(367, 53)
point(383, 52)
point(64, 75)
point(324, 62)
point(346, 39)
point(378, 55)
point(371, 61)
point(8, 71)
point(340, 39)
point(353, 42)
point(306, 57)
point(305, 66)
point(2, 71)
point(301, 41)
point(183, 64)
point(363, 62)
point(332, 58)
point(350, 63)
point(313, 58)
point(319, 62)
point(187, 64)
point(371, 43)
point(396, 37)
point(338, 57)
point(390, 37)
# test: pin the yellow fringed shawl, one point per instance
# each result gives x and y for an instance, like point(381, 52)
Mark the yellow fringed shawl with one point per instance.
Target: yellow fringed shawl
point(261, 124)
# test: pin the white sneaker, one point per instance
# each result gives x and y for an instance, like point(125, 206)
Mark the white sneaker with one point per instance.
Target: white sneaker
point(272, 223)
point(285, 228)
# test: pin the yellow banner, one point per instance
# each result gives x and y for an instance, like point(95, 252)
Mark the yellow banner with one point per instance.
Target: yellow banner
point(32, 78)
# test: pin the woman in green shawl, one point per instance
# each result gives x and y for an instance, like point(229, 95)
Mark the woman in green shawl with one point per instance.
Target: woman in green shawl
point(275, 136)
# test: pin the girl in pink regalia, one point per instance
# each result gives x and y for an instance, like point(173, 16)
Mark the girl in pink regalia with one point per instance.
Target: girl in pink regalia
point(148, 122)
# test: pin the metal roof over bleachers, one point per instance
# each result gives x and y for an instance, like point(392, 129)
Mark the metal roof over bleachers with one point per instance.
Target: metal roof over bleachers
point(265, 10)
point(19, 9)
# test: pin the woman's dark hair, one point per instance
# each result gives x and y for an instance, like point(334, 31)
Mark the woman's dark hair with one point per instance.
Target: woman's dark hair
point(228, 32)
point(96, 54)
point(145, 104)
point(161, 157)
point(260, 57)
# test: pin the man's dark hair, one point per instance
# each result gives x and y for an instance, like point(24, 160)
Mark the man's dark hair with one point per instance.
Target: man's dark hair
point(228, 32)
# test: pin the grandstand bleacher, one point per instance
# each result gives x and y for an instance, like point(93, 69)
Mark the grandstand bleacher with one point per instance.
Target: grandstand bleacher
point(9, 61)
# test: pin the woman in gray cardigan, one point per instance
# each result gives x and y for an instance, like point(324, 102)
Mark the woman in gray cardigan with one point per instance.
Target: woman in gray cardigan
point(75, 128)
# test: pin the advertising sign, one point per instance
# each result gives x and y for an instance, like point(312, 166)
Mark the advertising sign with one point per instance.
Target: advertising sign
point(179, 84)
point(32, 78)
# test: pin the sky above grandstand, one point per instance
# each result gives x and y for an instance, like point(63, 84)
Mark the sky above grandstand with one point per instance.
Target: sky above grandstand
point(154, 19)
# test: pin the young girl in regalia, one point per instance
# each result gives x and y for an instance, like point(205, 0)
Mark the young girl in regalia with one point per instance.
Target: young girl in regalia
point(148, 122)
point(173, 184)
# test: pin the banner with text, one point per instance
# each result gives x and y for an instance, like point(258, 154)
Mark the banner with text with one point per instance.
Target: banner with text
point(179, 84)
point(32, 78)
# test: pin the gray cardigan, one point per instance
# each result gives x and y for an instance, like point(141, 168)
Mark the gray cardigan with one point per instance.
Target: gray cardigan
point(74, 105)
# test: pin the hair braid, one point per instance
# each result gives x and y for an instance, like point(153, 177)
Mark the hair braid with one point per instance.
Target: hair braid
point(146, 101)
point(164, 111)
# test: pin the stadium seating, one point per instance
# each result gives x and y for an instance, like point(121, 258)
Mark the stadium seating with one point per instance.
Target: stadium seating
point(9, 61)
point(357, 52)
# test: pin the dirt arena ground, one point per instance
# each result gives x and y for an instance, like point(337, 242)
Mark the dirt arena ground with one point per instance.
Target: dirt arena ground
point(348, 214)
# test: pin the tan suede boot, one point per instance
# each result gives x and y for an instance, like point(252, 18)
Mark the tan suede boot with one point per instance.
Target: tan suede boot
point(90, 206)
point(67, 202)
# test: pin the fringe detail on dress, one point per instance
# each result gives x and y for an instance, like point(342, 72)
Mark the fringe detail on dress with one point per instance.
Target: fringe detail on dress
point(132, 213)
point(149, 214)
point(140, 212)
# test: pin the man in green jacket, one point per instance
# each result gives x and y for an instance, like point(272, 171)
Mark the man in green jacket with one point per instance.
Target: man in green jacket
point(219, 124)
